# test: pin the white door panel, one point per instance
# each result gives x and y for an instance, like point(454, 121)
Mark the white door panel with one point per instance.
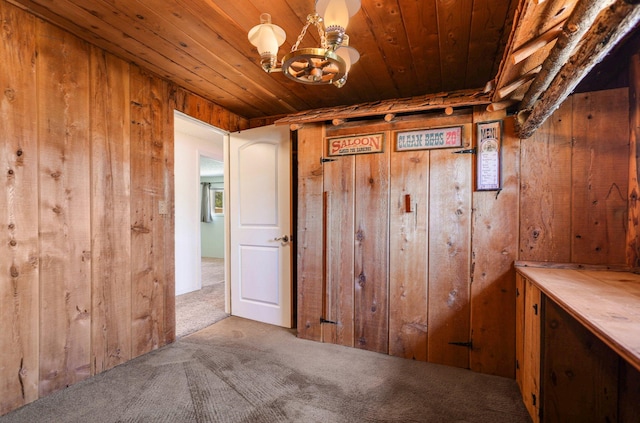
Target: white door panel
point(260, 199)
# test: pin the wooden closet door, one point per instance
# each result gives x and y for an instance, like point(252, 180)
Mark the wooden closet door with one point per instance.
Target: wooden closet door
point(338, 223)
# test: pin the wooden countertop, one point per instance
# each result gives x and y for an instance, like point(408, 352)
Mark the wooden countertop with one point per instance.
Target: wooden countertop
point(605, 302)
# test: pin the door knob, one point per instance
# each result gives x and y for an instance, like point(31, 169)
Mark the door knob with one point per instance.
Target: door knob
point(283, 238)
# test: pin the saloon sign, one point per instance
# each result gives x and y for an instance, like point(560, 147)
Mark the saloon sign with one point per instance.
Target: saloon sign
point(359, 144)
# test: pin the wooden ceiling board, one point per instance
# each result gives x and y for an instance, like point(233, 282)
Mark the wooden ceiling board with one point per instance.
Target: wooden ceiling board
point(420, 20)
point(409, 48)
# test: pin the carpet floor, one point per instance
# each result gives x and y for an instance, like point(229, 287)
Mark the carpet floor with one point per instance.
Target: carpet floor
point(198, 309)
point(243, 371)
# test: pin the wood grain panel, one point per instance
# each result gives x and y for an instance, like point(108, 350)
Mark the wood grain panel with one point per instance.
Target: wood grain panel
point(202, 109)
point(309, 236)
point(65, 209)
point(633, 229)
point(450, 255)
point(148, 100)
point(628, 392)
point(167, 222)
point(408, 262)
point(453, 25)
point(533, 312)
point(495, 248)
point(520, 330)
point(421, 26)
point(110, 213)
point(339, 249)
point(19, 305)
point(371, 308)
point(600, 177)
point(581, 372)
point(545, 190)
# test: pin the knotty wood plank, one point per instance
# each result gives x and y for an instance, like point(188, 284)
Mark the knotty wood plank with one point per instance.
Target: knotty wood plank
point(454, 32)
point(580, 372)
point(148, 98)
point(450, 254)
point(408, 262)
point(371, 308)
point(19, 274)
point(309, 236)
point(339, 249)
point(198, 107)
point(64, 206)
point(628, 392)
point(495, 247)
point(599, 188)
point(533, 312)
point(633, 231)
point(421, 26)
point(167, 221)
point(393, 43)
point(520, 330)
point(545, 190)
point(110, 212)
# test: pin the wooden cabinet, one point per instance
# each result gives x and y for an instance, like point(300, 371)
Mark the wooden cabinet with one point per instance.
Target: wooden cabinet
point(528, 339)
point(577, 344)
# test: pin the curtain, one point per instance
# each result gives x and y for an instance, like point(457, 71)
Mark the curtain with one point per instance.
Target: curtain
point(206, 203)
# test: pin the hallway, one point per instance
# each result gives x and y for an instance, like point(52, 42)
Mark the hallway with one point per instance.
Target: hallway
point(198, 309)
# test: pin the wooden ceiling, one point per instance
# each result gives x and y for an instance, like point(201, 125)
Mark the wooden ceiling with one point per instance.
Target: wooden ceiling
point(408, 48)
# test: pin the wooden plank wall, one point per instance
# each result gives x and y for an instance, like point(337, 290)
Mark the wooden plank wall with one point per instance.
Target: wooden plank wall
point(87, 272)
point(563, 199)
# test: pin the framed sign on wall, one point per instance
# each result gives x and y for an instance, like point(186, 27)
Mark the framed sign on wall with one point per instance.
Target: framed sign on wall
point(488, 156)
point(359, 144)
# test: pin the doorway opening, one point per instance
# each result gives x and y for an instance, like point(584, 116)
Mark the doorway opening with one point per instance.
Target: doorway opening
point(200, 225)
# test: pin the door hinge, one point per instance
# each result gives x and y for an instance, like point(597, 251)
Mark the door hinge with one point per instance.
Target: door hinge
point(323, 320)
point(326, 159)
point(467, 151)
point(463, 344)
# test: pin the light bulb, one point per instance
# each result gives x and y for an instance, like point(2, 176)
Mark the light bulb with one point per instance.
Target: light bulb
point(336, 13)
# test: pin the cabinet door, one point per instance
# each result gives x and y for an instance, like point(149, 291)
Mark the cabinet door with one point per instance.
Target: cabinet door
point(531, 352)
point(520, 299)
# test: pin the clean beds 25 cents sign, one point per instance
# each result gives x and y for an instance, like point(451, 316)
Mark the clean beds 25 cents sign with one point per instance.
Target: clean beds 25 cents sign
point(429, 138)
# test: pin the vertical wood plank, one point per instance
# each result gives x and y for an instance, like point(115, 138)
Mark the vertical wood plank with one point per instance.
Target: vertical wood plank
point(449, 255)
point(600, 179)
point(545, 190)
point(371, 309)
point(339, 241)
point(309, 236)
point(580, 377)
point(633, 230)
point(495, 248)
point(110, 213)
point(147, 190)
point(520, 316)
point(19, 305)
point(532, 349)
point(168, 219)
point(628, 393)
point(65, 226)
point(408, 258)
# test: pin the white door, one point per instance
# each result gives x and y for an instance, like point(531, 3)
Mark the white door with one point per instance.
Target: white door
point(260, 223)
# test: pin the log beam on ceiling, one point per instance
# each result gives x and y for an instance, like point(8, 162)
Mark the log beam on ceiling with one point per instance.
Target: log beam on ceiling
point(462, 98)
point(610, 27)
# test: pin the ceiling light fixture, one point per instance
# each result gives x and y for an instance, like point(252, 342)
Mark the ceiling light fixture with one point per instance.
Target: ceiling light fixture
point(328, 64)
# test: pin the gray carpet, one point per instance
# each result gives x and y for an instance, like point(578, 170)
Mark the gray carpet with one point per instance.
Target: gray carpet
point(242, 371)
point(198, 309)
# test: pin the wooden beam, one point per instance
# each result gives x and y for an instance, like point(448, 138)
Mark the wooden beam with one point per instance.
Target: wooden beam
point(536, 44)
point(577, 25)
point(607, 31)
point(512, 86)
point(460, 98)
point(633, 230)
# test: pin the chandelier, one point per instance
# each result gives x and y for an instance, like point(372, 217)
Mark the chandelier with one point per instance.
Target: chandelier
point(327, 64)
